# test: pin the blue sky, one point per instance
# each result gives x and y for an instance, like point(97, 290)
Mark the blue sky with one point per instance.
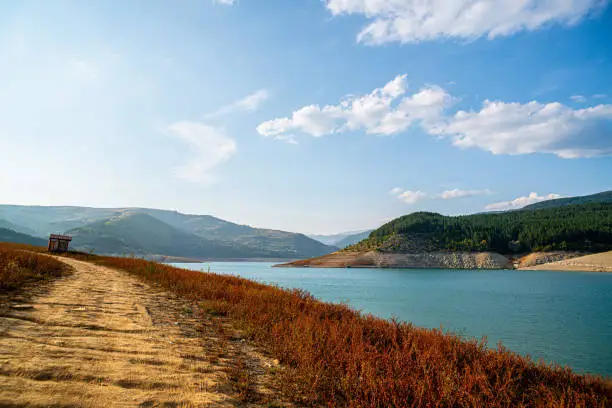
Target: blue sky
point(308, 116)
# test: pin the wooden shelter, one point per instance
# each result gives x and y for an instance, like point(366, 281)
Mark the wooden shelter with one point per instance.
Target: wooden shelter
point(59, 243)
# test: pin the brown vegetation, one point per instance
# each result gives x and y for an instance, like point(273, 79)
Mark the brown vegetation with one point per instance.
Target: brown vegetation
point(342, 358)
point(19, 266)
point(589, 263)
point(335, 356)
point(100, 338)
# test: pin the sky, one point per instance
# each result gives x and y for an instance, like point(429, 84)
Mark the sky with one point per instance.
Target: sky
point(309, 116)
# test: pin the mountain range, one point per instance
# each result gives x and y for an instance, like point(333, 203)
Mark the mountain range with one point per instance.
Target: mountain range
point(146, 231)
point(603, 197)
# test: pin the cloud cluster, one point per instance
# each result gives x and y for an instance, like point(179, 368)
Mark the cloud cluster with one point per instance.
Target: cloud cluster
point(458, 193)
point(408, 196)
point(225, 2)
point(498, 127)
point(384, 111)
point(407, 21)
point(515, 128)
point(520, 202)
point(412, 197)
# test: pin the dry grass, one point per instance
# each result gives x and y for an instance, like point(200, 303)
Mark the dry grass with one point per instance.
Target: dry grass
point(342, 358)
point(102, 338)
point(18, 266)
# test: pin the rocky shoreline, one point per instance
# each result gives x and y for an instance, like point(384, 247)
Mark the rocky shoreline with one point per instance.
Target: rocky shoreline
point(432, 260)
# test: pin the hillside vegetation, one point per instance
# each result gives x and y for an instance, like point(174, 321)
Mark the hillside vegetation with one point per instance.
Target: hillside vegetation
point(139, 233)
point(584, 227)
point(604, 197)
point(8, 235)
point(334, 356)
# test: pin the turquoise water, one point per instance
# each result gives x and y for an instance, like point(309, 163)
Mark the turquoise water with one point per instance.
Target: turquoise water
point(565, 317)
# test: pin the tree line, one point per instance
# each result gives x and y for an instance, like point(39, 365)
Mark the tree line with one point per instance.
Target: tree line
point(586, 227)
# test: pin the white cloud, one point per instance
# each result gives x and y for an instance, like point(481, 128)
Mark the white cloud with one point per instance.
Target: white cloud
point(578, 98)
point(210, 147)
point(249, 103)
point(408, 21)
point(515, 128)
point(520, 202)
point(498, 127)
point(384, 111)
point(600, 96)
point(458, 193)
point(225, 2)
point(411, 197)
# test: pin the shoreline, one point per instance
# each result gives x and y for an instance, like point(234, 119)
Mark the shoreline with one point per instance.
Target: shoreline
point(601, 262)
point(562, 261)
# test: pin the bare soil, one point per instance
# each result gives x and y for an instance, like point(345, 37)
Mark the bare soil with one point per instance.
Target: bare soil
point(101, 338)
point(375, 259)
point(590, 263)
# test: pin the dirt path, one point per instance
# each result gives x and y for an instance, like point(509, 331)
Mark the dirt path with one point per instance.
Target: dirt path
point(102, 338)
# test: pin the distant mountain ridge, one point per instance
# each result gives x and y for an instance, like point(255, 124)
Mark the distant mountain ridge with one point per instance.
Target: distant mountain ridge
point(161, 232)
point(341, 239)
point(9, 235)
point(603, 197)
point(353, 239)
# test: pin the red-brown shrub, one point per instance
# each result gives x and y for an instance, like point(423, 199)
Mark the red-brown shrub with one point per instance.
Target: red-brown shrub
point(18, 265)
point(342, 358)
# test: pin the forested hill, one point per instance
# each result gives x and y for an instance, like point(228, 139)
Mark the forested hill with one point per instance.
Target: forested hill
point(604, 197)
point(574, 227)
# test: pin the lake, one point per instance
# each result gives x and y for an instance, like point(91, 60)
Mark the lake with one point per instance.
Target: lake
point(565, 317)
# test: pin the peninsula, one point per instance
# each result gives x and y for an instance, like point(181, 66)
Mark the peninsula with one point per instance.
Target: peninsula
point(508, 240)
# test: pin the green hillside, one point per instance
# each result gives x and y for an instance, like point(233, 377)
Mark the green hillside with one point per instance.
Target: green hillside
point(279, 244)
point(604, 197)
point(575, 227)
point(260, 239)
point(8, 235)
point(17, 228)
point(142, 234)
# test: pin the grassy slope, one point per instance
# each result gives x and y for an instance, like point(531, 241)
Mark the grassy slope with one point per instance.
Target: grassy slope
point(342, 358)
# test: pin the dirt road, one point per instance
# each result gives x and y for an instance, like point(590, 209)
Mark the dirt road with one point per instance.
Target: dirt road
point(102, 338)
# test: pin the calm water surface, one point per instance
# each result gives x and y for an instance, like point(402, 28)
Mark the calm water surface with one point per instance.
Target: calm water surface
point(564, 317)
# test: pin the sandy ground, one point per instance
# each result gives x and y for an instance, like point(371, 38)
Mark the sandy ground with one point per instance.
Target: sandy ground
point(102, 338)
point(591, 263)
